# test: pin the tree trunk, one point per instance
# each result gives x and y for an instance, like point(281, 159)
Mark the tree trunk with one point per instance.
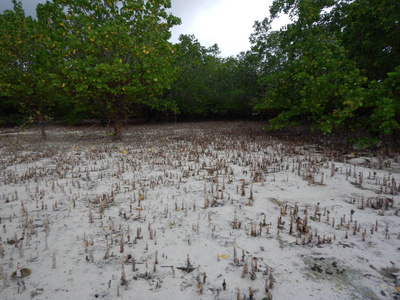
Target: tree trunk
point(42, 127)
point(117, 129)
point(116, 120)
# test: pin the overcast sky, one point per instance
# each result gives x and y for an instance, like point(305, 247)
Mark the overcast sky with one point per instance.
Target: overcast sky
point(227, 23)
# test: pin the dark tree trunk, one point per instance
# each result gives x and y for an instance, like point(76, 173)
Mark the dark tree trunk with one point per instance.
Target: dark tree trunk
point(117, 130)
point(42, 127)
point(116, 122)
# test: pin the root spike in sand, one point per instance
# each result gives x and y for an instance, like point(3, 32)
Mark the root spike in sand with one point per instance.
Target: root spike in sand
point(84, 216)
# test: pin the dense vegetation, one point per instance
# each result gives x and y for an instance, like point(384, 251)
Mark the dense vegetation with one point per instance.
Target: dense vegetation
point(336, 65)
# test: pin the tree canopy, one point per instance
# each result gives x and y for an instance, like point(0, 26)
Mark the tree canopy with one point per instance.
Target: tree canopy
point(109, 55)
point(335, 66)
point(27, 66)
point(113, 54)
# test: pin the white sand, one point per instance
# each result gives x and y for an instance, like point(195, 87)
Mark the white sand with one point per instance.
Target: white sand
point(182, 184)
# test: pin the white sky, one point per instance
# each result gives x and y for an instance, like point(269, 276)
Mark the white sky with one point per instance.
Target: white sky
point(227, 23)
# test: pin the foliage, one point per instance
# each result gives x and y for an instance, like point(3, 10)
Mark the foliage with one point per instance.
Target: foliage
point(192, 91)
point(11, 112)
point(238, 85)
point(112, 54)
point(336, 65)
point(385, 95)
point(211, 86)
point(371, 32)
point(26, 67)
point(315, 70)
